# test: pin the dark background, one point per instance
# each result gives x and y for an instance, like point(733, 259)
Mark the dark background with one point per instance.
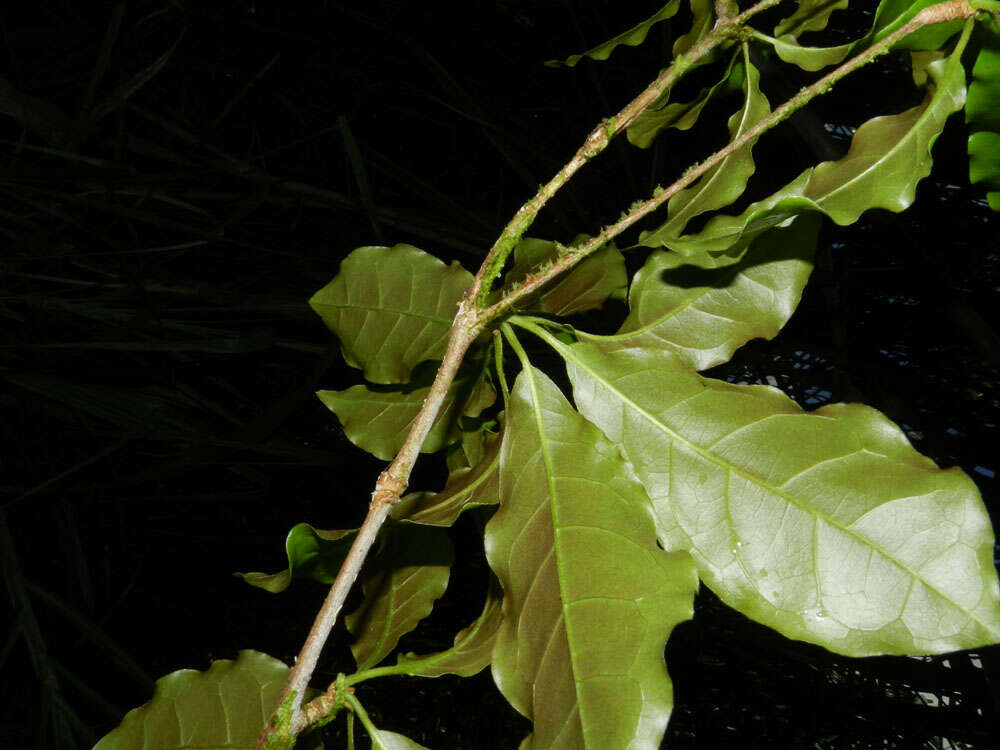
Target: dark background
point(179, 177)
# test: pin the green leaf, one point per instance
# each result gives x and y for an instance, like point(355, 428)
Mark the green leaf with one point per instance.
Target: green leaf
point(683, 115)
point(703, 14)
point(705, 315)
point(383, 739)
point(632, 38)
point(586, 287)
point(467, 487)
point(589, 599)
point(983, 116)
point(391, 308)
point(471, 651)
point(377, 419)
point(892, 14)
point(400, 584)
point(812, 59)
point(826, 526)
point(887, 158)
point(312, 553)
point(224, 707)
point(726, 181)
point(811, 15)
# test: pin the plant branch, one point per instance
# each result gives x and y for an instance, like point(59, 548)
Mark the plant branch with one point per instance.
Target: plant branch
point(935, 14)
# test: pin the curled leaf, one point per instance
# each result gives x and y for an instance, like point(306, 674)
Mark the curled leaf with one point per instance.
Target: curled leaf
point(631, 38)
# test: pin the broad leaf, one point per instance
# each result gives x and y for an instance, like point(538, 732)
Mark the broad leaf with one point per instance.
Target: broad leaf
point(982, 113)
point(726, 181)
point(887, 158)
point(377, 419)
point(812, 59)
point(312, 553)
point(631, 38)
point(471, 651)
point(585, 287)
point(400, 584)
point(223, 707)
point(589, 599)
point(827, 526)
point(893, 14)
point(705, 315)
point(811, 15)
point(391, 308)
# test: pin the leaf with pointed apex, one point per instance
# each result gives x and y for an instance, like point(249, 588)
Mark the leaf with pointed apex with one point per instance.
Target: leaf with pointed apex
point(589, 598)
point(312, 553)
point(585, 287)
point(787, 47)
point(377, 419)
point(811, 15)
point(826, 526)
point(469, 655)
point(400, 584)
point(223, 707)
point(887, 158)
point(683, 115)
point(705, 315)
point(892, 14)
point(383, 739)
point(982, 113)
point(632, 38)
point(391, 308)
point(466, 488)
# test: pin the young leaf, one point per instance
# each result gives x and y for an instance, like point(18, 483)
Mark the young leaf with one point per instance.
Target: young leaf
point(312, 553)
point(897, 145)
point(704, 316)
point(400, 585)
point(632, 38)
point(391, 308)
point(378, 419)
point(725, 182)
point(811, 15)
point(826, 526)
point(589, 599)
point(223, 707)
point(983, 116)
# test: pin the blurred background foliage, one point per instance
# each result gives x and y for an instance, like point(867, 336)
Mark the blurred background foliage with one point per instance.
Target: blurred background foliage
point(179, 177)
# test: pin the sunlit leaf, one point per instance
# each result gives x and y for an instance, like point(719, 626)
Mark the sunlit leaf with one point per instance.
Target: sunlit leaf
point(224, 707)
point(706, 315)
point(982, 113)
point(312, 553)
point(726, 181)
point(585, 287)
point(377, 419)
point(391, 308)
point(589, 599)
point(400, 584)
point(827, 526)
point(632, 38)
point(810, 15)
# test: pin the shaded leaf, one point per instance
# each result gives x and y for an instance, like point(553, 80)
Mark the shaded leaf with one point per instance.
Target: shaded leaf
point(400, 584)
point(703, 19)
point(826, 526)
point(585, 287)
point(632, 38)
point(589, 599)
point(391, 308)
point(727, 180)
point(982, 113)
point(312, 553)
point(705, 315)
point(377, 419)
point(810, 15)
point(386, 740)
point(223, 707)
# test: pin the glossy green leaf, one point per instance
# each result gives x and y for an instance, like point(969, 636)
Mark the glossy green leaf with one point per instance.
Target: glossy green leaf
point(400, 583)
point(982, 113)
point(705, 315)
point(631, 38)
point(589, 599)
point(810, 15)
point(683, 115)
point(467, 487)
point(377, 419)
point(224, 707)
point(585, 287)
point(888, 156)
point(471, 652)
point(812, 59)
point(726, 181)
point(827, 526)
point(383, 739)
point(391, 308)
point(312, 553)
point(892, 14)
